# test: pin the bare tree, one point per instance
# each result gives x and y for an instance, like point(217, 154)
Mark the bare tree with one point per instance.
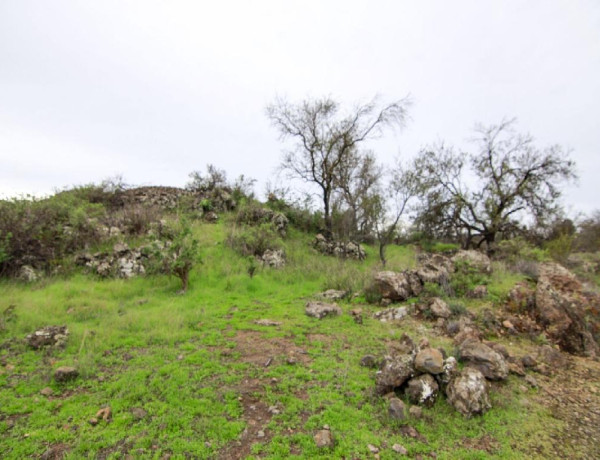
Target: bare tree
point(325, 139)
point(515, 180)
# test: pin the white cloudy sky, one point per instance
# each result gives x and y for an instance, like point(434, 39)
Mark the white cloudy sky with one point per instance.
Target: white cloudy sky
point(153, 90)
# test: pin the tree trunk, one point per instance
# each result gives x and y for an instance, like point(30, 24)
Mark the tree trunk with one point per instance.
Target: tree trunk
point(382, 245)
point(327, 211)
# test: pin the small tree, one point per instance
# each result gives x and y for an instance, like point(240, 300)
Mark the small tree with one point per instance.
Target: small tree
point(515, 180)
point(325, 140)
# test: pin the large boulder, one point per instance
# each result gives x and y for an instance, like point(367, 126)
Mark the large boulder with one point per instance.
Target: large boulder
point(566, 311)
point(274, 258)
point(489, 362)
point(478, 260)
point(468, 393)
point(397, 286)
point(394, 372)
point(439, 308)
point(434, 268)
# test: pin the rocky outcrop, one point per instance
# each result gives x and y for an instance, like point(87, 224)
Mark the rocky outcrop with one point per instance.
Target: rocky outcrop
point(341, 249)
point(397, 286)
point(468, 393)
point(566, 312)
point(394, 371)
point(475, 259)
point(122, 262)
point(254, 215)
point(391, 314)
point(434, 268)
point(439, 308)
point(274, 258)
point(422, 390)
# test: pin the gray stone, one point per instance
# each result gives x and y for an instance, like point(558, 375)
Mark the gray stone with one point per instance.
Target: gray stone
point(274, 258)
point(333, 294)
point(478, 260)
point(439, 308)
point(391, 314)
point(321, 309)
point(369, 361)
point(399, 449)
point(49, 336)
point(393, 373)
point(395, 286)
point(65, 374)
point(415, 412)
point(324, 439)
point(468, 393)
point(396, 409)
point(28, 274)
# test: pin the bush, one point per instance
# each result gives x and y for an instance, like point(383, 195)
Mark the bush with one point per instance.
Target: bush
point(253, 241)
point(517, 249)
point(466, 278)
point(135, 219)
point(560, 247)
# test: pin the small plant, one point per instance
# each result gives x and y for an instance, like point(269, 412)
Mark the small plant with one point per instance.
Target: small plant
point(465, 278)
point(457, 309)
point(252, 266)
point(432, 290)
point(253, 241)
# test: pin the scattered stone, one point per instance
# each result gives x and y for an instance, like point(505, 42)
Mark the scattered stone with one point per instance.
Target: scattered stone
point(478, 292)
point(439, 308)
point(415, 412)
point(93, 421)
point(394, 372)
point(324, 439)
point(449, 372)
point(260, 434)
point(396, 409)
point(429, 361)
point(423, 343)
point(273, 410)
point(65, 373)
point(211, 217)
point(47, 391)
point(357, 315)
point(138, 413)
point(373, 449)
point(369, 361)
point(267, 322)
point(411, 432)
point(551, 356)
point(391, 314)
point(434, 268)
point(422, 390)
point(516, 368)
point(399, 449)
point(478, 355)
point(468, 392)
point(341, 249)
point(321, 309)
point(49, 336)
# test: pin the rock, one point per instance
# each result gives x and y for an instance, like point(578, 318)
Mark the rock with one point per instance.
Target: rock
point(341, 249)
point(561, 307)
point(324, 439)
point(551, 357)
point(396, 409)
point(369, 361)
point(478, 292)
point(439, 308)
point(516, 368)
point(521, 298)
point(498, 347)
point(491, 364)
point(449, 372)
point(267, 322)
point(415, 412)
point(321, 309)
point(260, 434)
point(65, 374)
point(429, 361)
point(28, 274)
point(397, 286)
point(391, 314)
point(422, 390)
point(423, 343)
point(139, 413)
point(478, 260)
point(333, 294)
point(393, 373)
point(528, 361)
point(49, 336)
point(468, 392)
point(373, 449)
point(274, 258)
point(120, 249)
point(93, 421)
point(211, 217)
point(405, 345)
point(104, 413)
point(356, 314)
point(399, 449)
point(47, 391)
point(434, 268)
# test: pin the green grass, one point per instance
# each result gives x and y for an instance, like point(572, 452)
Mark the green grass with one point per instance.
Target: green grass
point(138, 344)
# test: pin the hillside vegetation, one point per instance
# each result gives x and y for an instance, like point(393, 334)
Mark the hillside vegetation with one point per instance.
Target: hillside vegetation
point(233, 367)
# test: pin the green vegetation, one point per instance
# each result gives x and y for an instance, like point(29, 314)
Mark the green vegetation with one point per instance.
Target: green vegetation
point(197, 366)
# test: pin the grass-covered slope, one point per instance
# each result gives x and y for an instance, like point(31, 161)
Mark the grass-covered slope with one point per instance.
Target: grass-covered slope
point(193, 376)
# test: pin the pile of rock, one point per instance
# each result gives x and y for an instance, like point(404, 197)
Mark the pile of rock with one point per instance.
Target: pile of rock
point(422, 373)
point(433, 268)
point(341, 249)
point(122, 262)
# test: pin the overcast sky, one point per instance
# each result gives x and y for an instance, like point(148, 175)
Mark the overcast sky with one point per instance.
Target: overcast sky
point(154, 90)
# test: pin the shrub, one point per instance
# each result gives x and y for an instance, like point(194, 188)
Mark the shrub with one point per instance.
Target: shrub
point(253, 241)
point(466, 278)
point(517, 249)
point(560, 247)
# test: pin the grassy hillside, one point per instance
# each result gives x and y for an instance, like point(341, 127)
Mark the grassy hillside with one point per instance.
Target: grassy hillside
point(193, 376)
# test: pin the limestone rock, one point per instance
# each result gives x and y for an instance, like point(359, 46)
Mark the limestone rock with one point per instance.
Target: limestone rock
point(468, 393)
point(65, 374)
point(321, 309)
